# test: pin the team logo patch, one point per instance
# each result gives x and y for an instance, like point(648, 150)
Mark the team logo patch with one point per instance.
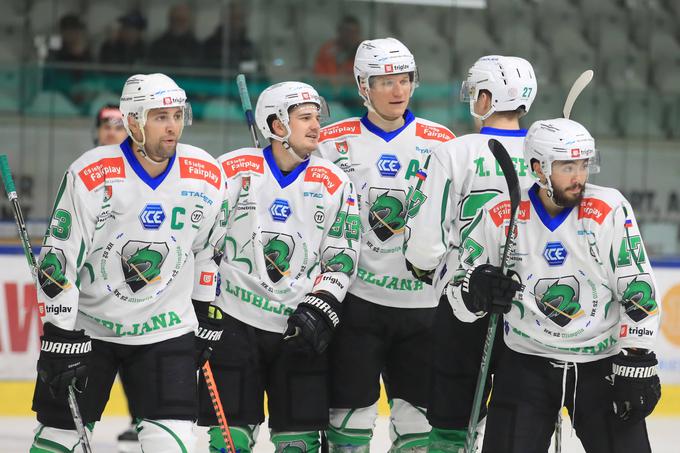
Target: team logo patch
point(342, 147)
point(245, 183)
point(280, 210)
point(335, 259)
point(141, 263)
point(108, 192)
point(638, 296)
point(388, 165)
point(555, 253)
point(200, 169)
point(387, 214)
point(207, 278)
point(278, 251)
point(52, 273)
point(152, 216)
point(99, 172)
point(557, 298)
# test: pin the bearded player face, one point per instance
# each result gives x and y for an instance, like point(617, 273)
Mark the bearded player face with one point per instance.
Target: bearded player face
point(568, 180)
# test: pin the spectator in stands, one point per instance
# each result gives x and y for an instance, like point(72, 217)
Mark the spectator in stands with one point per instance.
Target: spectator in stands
point(336, 56)
point(229, 46)
point(75, 47)
point(109, 126)
point(127, 46)
point(178, 46)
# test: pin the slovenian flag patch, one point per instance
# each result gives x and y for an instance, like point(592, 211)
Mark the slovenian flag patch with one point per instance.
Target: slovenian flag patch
point(628, 223)
point(350, 201)
point(421, 175)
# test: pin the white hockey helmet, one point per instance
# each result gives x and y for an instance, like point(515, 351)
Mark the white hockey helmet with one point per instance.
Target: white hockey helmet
point(510, 80)
point(559, 139)
point(278, 100)
point(143, 92)
point(382, 56)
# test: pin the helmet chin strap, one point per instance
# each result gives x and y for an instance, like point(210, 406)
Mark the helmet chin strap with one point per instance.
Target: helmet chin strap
point(291, 151)
point(550, 191)
point(142, 151)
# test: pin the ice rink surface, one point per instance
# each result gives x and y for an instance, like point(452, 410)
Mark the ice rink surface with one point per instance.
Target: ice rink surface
point(16, 434)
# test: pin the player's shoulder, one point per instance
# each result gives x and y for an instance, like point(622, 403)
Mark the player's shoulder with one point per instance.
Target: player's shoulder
point(99, 164)
point(599, 202)
point(323, 171)
point(499, 208)
point(96, 154)
point(242, 160)
point(429, 130)
point(191, 151)
point(349, 127)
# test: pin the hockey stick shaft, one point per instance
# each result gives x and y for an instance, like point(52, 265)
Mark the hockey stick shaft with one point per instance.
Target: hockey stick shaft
point(507, 166)
point(247, 108)
point(8, 182)
point(217, 405)
point(579, 84)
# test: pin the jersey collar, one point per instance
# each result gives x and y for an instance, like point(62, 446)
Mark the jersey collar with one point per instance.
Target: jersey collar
point(149, 180)
point(503, 132)
point(284, 181)
point(387, 136)
point(550, 222)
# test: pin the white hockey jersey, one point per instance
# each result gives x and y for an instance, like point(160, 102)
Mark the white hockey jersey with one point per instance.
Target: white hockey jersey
point(286, 236)
point(383, 166)
point(126, 252)
point(589, 288)
point(459, 178)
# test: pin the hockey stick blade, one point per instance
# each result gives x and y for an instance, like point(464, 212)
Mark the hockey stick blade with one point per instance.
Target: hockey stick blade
point(579, 84)
point(512, 181)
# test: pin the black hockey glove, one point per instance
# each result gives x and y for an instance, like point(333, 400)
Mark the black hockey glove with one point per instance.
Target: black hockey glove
point(64, 355)
point(210, 328)
point(420, 274)
point(637, 388)
point(311, 325)
point(486, 289)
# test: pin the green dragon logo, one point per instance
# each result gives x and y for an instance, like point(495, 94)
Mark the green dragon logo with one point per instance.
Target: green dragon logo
point(638, 299)
point(278, 251)
point(51, 273)
point(559, 302)
point(341, 262)
point(387, 216)
point(141, 263)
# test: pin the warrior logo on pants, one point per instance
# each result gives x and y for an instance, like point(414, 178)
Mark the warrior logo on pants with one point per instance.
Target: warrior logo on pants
point(141, 262)
point(278, 250)
point(51, 273)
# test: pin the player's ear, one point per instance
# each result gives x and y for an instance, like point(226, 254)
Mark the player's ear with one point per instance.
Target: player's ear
point(538, 171)
point(277, 128)
point(134, 126)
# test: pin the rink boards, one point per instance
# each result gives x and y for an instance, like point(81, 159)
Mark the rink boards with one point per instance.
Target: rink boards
point(19, 339)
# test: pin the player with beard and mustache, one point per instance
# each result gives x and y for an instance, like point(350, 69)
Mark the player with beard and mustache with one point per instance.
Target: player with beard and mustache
point(580, 303)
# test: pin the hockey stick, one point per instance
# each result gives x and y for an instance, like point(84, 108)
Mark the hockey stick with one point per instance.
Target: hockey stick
point(13, 198)
point(217, 405)
point(511, 179)
point(247, 108)
point(579, 84)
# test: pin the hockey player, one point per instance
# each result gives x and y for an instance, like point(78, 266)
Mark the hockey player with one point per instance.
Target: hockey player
point(460, 176)
point(582, 330)
point(387, 314)
point(291, 248)
point(109, 128)
point(125, 253)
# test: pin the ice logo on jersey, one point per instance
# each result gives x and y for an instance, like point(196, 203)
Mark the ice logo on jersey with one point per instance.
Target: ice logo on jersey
point(51, 274)
point(388, 165)
point(152, 216)
point(280, 210)
point(141, 263)
point(554, 253)
point(637, 295)
point(557, 299)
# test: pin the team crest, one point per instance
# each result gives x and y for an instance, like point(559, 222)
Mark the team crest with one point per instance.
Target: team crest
point(638, 297)
point(108, 192)
point(51, 274)
point(557, 299)
point(245, 183)
point(141, 263)
point(278, 250)
point(387, 214)
point(335, 259)
point(342, 147)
